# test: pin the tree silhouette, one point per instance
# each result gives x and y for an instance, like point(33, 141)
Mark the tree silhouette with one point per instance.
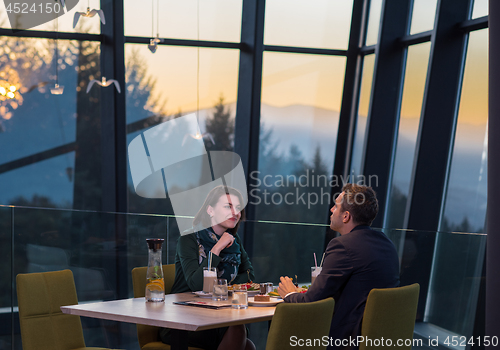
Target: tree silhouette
point(221, 126)
point(142, 102)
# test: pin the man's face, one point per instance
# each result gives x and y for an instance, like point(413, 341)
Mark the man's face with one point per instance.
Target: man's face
point(336, 220)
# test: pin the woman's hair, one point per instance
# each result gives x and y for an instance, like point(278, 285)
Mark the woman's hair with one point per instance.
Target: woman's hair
point(211, 200)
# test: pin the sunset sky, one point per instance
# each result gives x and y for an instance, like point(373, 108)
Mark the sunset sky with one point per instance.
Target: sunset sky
point(287, 78)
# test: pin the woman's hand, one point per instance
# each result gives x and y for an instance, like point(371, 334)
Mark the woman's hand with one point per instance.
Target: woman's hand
point(226, 240)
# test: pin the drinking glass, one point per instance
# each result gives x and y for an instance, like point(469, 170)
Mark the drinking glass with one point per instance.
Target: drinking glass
point(315, 271)
point(209, 277)
point(220, 289)
point(240, 297)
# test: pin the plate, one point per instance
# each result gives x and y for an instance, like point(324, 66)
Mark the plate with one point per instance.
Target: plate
point(272, 302)
point(253, 292)
point(250, 293)
point(203, 294)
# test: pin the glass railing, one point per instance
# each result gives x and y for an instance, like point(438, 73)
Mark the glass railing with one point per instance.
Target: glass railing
point(102, 248)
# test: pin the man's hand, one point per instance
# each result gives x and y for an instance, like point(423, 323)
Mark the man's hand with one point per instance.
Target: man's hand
point(286, 286)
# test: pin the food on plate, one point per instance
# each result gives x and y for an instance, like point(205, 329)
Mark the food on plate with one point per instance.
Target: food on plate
point(260, 297)
point(249, 286)
point(274, 293)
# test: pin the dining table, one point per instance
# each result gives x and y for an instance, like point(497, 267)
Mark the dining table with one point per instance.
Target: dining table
point(180, 318)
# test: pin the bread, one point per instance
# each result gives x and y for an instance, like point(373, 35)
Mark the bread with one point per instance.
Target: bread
point(260, 297)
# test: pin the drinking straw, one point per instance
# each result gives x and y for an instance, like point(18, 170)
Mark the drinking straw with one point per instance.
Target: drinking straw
point(315, 261)
point(210, 260)
point(323, 258)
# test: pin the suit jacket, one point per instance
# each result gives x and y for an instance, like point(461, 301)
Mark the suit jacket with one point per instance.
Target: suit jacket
point(354, 264)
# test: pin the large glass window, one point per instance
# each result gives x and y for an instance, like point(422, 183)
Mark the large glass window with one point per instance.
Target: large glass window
point(373, 25)
point(459, 258)
point(411, 106)
point(365, 92)
point(301, 97)
point(300, 106)
point(480, 8)
point(157, 91)
point(219, 20)
point(64, 22)
point(320, 23)
point(467, 179)
point(424, 13)
point(53, 141)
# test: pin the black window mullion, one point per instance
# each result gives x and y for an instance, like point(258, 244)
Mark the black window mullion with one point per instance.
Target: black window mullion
point(247, 123)
point(349, 104)
point(436, 134)
point(383, 114)
point(113, 117)
point(114, 133)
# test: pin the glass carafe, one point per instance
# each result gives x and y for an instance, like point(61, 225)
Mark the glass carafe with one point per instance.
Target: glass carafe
point(155, 286)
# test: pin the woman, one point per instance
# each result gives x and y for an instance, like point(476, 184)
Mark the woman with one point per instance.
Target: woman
point(214, 230)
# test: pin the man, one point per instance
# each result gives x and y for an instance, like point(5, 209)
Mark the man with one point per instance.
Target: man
point(356, 262)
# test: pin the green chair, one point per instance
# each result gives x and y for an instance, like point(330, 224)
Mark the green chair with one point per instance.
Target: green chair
point(389, 313)
point(301, 320)
point(148, 336)
point(43, 325)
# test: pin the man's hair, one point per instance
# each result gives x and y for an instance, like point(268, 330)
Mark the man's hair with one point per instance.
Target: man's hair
point(361, 202)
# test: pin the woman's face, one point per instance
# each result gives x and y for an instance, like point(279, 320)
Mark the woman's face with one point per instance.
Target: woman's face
point(226, 212)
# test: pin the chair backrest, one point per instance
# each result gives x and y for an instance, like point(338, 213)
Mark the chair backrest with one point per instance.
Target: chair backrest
point(389, 313)
point(300, 320)
point(43, 325)
point(149, 334)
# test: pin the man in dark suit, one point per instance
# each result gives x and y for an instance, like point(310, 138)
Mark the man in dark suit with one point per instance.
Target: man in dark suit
point(357, 261)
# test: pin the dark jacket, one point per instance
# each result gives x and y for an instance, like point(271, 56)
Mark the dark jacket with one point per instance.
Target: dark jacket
point(354, 264)
point(189, 274)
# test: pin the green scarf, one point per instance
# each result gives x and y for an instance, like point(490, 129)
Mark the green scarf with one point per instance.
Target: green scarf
point(231, 256)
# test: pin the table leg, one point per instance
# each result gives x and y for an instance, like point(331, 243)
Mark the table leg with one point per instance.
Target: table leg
point(178, 339)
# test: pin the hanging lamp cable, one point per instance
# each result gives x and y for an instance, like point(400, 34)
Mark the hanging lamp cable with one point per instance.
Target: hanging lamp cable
point(198, 61)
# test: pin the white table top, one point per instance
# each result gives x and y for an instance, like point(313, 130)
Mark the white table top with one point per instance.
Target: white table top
point(167, 314)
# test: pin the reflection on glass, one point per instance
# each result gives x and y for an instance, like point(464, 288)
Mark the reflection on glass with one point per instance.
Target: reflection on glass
point(320, 23)
point(87, 243)
point(365, 92)
point(220, 20)
point(480, 8)
point(373, 22)
point(47, 183)
point(422, 19)
point(465, 201)
point(411, 105)
point(64, 22)
point(459, 258)
point(455, 281)
point(44, 130)
point(29, 65)
point(165, 84)
point(286, 250)
point(157, 93)
point(299, 121)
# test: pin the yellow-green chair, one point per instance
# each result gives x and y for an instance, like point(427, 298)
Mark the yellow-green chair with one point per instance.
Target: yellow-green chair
point(148, 336)
point(300, 320)
point(390, 314)
point(43, 325)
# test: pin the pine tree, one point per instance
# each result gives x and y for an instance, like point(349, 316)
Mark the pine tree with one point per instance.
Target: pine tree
point(221, 127)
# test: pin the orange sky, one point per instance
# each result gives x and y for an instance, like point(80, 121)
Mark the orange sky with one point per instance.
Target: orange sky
point(288, 78)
